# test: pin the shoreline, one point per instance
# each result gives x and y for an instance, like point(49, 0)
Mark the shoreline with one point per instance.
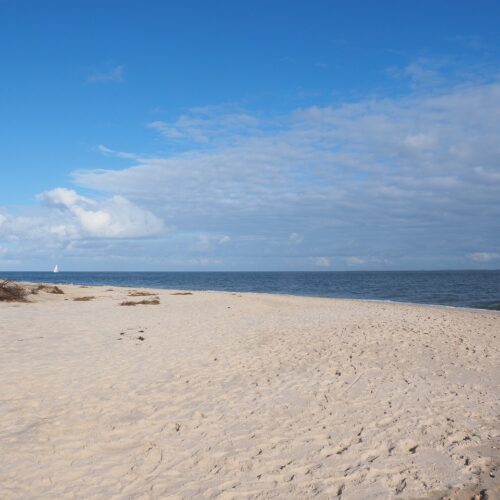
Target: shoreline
point(272, 294)
point(245, 395)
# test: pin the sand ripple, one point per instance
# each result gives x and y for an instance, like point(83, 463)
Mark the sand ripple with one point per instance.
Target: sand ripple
point(245, 396)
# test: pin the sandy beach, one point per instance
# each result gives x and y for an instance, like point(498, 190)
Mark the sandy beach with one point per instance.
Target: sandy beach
point(228, 395)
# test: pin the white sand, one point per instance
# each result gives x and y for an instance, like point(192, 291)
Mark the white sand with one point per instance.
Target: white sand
point(246, 396)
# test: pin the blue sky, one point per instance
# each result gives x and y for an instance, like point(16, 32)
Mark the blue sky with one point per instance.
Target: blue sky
point(223, 135)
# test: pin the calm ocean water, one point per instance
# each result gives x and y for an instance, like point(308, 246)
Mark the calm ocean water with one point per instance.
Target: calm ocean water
point(477, 289)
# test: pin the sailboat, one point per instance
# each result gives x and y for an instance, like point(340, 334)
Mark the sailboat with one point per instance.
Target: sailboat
point(56, 269)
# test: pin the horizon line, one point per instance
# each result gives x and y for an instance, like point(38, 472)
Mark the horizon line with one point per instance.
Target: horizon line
point(266, 271)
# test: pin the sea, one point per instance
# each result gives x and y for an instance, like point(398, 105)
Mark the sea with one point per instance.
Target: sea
point(471, 289)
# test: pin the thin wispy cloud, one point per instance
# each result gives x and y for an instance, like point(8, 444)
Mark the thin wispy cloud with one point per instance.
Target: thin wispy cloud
point(295, 238)
point(322, 262)
point(484, 256)
point(206, 125)
point(118, 154)
point(115, 74)
point(474, 42)
point(423, 73)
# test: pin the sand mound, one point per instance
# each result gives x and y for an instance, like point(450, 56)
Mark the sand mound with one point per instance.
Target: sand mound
point(12, 292)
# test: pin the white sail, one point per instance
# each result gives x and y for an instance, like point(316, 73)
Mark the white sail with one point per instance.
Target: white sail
point(56, 269)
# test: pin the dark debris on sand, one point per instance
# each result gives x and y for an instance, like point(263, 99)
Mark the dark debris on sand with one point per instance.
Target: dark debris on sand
point(48, 289)
point(136, 293)
point(13, 292)
point(145, 302)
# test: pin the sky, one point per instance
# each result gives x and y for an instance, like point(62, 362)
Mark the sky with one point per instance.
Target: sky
point(263, 135)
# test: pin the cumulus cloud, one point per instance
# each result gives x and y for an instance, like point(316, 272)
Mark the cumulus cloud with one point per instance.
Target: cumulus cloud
point(115, 217)
point(62, 197)
point(65, 215)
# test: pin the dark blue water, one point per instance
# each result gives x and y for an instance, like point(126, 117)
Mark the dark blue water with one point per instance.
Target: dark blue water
point(478, 289)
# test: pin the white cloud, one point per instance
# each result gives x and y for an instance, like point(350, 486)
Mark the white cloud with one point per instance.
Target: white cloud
point(413, 180)
point(113, 74)
point(366, 261)
point(484, 256)
point(204, 125)
point(322, 261)
point(295, 238)
point(206, 261)
point(355, 261)
point(209, 242)
point(420, 141)
point(423, 73)
point(119, 154)
point(63, 197)
point(473, 42)
point(389, 173)
point(390, 160)
point(115, 217)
